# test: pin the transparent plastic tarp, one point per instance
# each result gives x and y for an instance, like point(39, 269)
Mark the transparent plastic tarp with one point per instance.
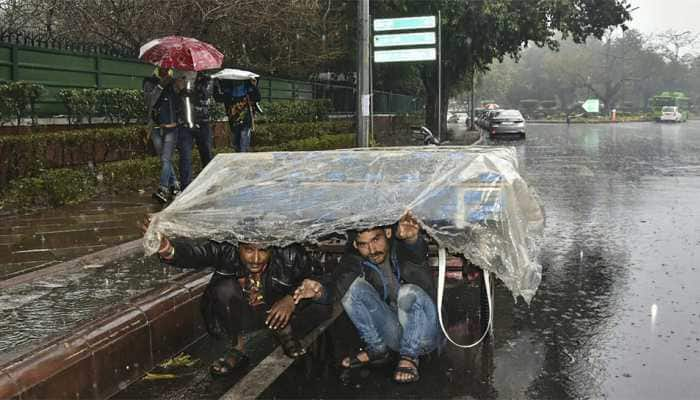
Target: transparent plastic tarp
point(471, 200)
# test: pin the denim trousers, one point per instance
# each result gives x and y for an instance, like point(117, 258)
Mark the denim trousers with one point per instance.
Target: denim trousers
point(164, 141)
point(185, 141)
point(240, 137)
point(203, 138)
point(410, 328)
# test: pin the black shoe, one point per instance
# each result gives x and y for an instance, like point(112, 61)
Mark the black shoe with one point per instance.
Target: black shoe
point(161, 195)
point(175, 191)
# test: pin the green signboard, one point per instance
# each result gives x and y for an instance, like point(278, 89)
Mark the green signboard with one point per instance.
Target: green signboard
point(591, 105)
point(426, 54)
point(405, 39)
point(398, 24)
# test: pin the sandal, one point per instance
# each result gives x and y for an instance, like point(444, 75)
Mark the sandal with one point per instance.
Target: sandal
point(225, 366)
point(372, 359)
point(412, 371)
point(290, 345)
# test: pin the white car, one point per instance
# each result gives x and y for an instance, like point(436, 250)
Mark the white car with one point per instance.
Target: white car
point(458, 117)
point(671, 114)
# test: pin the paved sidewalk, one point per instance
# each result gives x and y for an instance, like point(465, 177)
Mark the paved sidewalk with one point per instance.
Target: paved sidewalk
point(35, 240)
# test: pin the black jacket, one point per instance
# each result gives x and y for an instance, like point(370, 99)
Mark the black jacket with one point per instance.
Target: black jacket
point(287, 268)
point(163, 104)
point(231, 92)
point(203, 90)
point(408, 261)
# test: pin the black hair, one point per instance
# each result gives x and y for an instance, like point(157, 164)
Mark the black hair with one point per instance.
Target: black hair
point(353, 233)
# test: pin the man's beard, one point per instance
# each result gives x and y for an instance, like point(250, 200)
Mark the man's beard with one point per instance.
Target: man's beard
point(377, 257)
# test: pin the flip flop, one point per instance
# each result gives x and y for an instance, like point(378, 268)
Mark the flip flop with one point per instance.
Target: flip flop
point(412, 371)
point(225, 366)
point(374, 359)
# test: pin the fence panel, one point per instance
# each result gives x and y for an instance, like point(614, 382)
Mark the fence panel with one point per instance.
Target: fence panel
point(29, 59)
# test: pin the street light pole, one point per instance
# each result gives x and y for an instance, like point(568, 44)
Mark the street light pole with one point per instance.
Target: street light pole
point(363, 94)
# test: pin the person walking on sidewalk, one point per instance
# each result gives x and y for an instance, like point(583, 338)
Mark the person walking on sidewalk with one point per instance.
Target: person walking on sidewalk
point(197, 112)
point(251, 289)
point(386, 288)
point(163, 107)
point(240, 99)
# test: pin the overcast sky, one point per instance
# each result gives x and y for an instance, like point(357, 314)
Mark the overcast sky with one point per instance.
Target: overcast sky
point(656, 16)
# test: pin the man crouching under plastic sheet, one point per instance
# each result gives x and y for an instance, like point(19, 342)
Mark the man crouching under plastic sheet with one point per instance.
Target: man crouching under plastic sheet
point(386, 288)
point(251, 289)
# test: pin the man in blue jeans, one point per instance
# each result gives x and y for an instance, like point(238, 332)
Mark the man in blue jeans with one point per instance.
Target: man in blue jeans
point(200, 133)
point(240, 99)
point(386, 288)
point(163, 107)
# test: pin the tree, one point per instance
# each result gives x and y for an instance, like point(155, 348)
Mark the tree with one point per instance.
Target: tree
point(269, 36)
point(475, 33)
point(670, 43)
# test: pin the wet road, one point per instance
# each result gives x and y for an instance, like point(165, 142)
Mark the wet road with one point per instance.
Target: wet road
point(617, 314)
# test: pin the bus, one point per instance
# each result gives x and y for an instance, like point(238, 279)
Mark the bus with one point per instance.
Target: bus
point(670, 99)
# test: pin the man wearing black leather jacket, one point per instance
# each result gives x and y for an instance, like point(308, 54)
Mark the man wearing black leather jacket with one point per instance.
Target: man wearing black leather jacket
point(251, 289)
point(163, 106)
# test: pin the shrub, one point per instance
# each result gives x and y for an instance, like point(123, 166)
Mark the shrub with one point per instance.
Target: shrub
point(20, 99)
point(295, 111)
point(80, 104)
point(122, 105)
point(326, 142)
point(54, 188)
point(72, 185)
point(27, 155)
point(274, 134)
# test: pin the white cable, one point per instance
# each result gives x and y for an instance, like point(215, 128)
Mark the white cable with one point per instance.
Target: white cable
point(442, 268)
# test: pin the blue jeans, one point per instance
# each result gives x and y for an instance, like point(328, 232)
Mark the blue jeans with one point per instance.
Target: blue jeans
point(200, 134)
point(203, 138)
point(240, 137)
point(185, 141)
point(411, 328)
point(165, 146)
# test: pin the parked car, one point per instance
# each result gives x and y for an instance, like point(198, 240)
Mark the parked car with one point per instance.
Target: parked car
point(458, 117)
point(671, 114)
point(505, 122)
point(484, 119)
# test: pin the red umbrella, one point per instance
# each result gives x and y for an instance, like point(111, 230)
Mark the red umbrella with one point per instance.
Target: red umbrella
point(183, 53)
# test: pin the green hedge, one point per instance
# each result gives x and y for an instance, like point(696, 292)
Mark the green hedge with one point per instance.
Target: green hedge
point(127, 105)
point(273, 134)
point(27, 155)
point(18, 100)
point(61, 186)
point(327, 142)
point(281, 111)
point(52, 188)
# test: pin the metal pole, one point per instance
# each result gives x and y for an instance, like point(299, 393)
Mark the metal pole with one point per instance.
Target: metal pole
point(471, 101)
point(363, 97)
point(371, 86)
point(439, 61)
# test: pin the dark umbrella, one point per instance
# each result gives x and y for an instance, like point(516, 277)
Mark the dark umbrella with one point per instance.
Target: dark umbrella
point(183, 53)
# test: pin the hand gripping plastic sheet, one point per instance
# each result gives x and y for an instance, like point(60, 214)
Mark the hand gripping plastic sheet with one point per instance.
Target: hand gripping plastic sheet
point(470, 200)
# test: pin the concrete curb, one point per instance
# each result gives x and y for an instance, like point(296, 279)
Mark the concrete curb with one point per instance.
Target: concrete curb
point(101, 357)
